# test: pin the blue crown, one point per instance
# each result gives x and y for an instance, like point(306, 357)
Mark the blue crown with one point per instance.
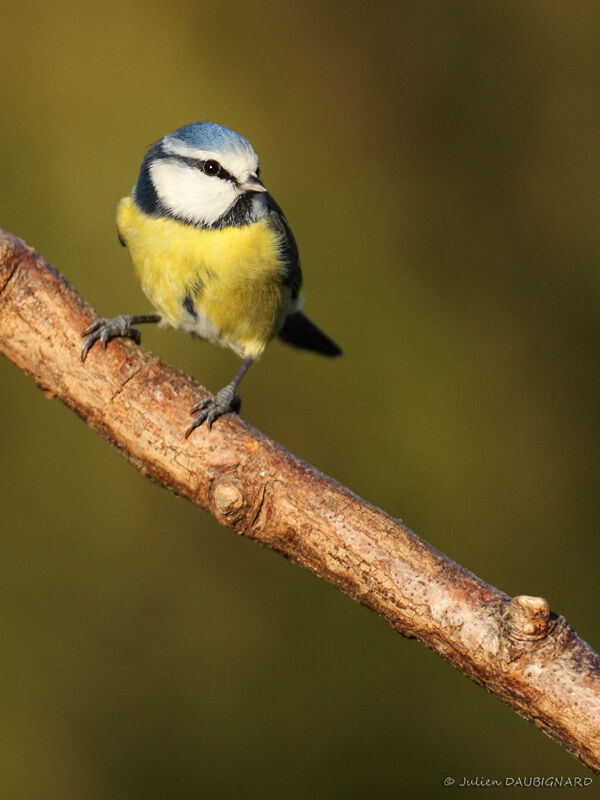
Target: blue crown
point(210, 136)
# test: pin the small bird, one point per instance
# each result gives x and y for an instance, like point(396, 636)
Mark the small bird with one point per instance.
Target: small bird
point(214, 254)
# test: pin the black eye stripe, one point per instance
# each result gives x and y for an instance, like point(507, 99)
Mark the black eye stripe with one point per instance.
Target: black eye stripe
point(194, 162)
point(220, 172)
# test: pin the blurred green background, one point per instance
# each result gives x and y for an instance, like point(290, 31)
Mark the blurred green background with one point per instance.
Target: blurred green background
point(439, 163)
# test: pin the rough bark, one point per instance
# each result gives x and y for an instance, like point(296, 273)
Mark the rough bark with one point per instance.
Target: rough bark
point(518, 649)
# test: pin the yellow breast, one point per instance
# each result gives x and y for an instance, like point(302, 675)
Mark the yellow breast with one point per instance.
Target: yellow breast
point(225, 285)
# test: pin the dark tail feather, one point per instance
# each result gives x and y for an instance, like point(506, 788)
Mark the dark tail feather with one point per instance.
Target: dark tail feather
point(299, 331)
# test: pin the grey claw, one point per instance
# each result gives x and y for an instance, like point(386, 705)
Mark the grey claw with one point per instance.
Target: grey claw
point(212, 415)
point(201, 404)
point(103, 330)
point(211, 408)
point(86, 348)
point(91, 328)
point(198, 420)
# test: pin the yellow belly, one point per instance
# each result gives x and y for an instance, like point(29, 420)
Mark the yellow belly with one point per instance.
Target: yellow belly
point(224, 285)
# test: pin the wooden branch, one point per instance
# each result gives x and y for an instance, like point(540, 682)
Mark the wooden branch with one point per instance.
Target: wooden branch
point(517, 649)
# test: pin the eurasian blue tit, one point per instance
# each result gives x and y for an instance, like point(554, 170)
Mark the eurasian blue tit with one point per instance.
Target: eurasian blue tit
point(213, 252)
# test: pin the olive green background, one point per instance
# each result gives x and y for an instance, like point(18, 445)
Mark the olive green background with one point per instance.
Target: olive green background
point(439, 163)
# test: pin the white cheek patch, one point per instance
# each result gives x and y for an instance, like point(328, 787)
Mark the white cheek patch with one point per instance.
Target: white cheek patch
point(190, 194)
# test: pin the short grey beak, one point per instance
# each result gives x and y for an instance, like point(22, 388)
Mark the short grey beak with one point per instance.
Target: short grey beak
point(252, 184)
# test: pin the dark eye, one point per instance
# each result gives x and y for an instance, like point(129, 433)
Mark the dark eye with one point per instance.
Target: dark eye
point(211, 167)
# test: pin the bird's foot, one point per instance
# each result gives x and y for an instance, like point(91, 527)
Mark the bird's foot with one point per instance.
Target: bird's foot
point(211, 408)
point(103, 330)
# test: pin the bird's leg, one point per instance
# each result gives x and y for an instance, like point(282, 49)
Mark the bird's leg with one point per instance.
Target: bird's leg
point(222, 403)
point(104, 330)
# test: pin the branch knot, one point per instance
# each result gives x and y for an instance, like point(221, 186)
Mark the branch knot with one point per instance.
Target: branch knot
point(228, 499)
point(528, 619)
